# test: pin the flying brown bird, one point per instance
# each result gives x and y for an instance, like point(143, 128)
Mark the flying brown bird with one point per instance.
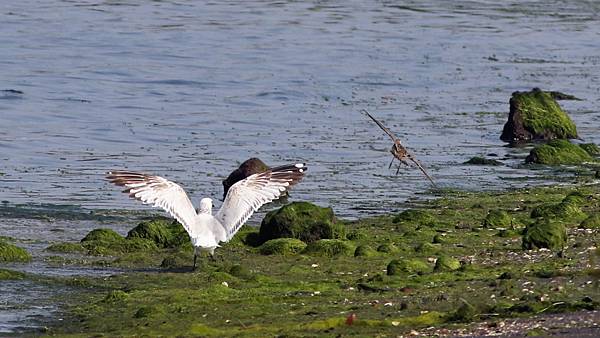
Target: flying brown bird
point(399, 151)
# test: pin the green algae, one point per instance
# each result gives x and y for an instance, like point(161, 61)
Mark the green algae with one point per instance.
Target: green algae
point(282, 246)
point(104, 235)
point(301, 220)
point(591, 148)
point(245, 293)
point(497, 219)
point(66, 247)
point(558, 152)
point(592, 222)
point(364, 250)
point(330, 248)
point(446, 263)
point(478, 160)
point(164, 232)
point(7, 274)
point(568, 208)
point(12, 253)
point(415, 216)
point(407, 266)
point(535, 115)
point(545, 234)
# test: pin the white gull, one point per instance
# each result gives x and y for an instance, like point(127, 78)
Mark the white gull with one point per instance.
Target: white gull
point(206, 231)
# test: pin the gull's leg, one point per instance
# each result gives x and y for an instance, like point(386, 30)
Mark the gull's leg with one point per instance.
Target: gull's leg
point(398, 170)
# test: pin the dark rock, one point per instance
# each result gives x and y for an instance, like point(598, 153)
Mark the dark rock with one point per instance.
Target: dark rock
point(478, 160)
point(249, 167)
point(536, 115)
point(545, 234)
point(558, 152)
point(301, 220)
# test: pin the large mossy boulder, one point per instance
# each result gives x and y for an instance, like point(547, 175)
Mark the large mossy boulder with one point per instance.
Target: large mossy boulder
point(330, 248)
point(282, 246)
point(164, 232)
point(301, 220)
point(535, 115)
point(105, 235)
point(545, 234)
point(12, 253)
point(558, 152)
point(249, 167)
point(408, 266)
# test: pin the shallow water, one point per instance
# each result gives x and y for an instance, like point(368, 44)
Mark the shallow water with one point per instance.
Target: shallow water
point(189, 90)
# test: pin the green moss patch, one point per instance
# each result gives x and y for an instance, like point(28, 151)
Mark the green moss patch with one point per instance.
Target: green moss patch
point(6, 274)
point(568, 208)
point(407, 266)
point(446, 263)
point(66, 247)
point(416, 216)
point(13, 253)
point(282, 246)
point(497, 219)
point(558, 152)
point(302, 220)
point(592, 222)
point(330, 248)
point(165, 233)
point(364, 250)
point(545, 234)
point(105, 235)
point(478, 160)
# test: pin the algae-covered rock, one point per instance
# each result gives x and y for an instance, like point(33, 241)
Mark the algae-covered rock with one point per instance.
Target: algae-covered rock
point(164, 232)
point(408, 266)
point(427, 248)
point(387, 248)
point(240, 271)
point(106, 235)
point(558, 152)
point(478, 160)
point(415, 216)
point(592, 222)
point(282, 246)
point(6, 274)
point(591, 148)
point(497, 219)
point(536, 115)
point(364, 251)
point(13, 253)
point(568, 208)
point(465, 313)
point(446, 263)
point(545, 234)
point(301, 220)
point(66, 247)
point(115, 296)
point(330, 248)
point(249, 167)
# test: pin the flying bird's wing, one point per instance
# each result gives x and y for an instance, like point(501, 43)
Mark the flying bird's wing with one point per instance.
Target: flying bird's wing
point(384, 128)
point(249, 194)
point(423, 170)
point(157, 191)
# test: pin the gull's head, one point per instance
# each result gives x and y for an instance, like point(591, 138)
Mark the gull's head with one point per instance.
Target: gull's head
point(206, 205)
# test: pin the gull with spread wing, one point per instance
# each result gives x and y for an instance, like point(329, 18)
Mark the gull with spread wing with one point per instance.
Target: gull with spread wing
point(206, 230)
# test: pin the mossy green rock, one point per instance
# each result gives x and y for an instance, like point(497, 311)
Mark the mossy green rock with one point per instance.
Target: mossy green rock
point(465, 313)
point(415, 216)
point(478, 160)
point(408, 266)
point(165, 233)
point(282, 246)
point(568, 208)
point(446, 263)
point(592, 222)
point(591, 148)
point(6, 274)
point(105, 235)
point(66, 247)
point(364, 250)
point(302, 220)
point(387, 248)
point(536, 115)
point(427, 248)
point(558, 152)
point(497, 219)
point(330, 248)
point(545, 234)
point(13, 253)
